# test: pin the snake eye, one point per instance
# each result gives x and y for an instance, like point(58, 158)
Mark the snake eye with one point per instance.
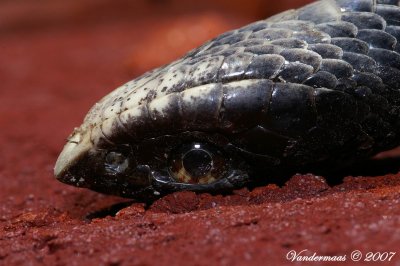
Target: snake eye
point(197, 163)
point(116, 162)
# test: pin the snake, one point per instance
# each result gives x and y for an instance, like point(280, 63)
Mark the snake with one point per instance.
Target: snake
point(310, 88)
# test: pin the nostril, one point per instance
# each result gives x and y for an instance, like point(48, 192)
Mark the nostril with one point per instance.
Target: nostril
point(75, 137)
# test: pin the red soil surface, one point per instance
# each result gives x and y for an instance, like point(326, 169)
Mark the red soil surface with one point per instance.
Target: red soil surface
point(50, 76)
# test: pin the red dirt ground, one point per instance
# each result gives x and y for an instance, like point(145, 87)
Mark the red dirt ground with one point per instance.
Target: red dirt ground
point(51, 76)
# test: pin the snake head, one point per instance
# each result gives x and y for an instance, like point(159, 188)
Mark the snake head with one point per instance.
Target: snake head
point(310, 88)
point(157, 166)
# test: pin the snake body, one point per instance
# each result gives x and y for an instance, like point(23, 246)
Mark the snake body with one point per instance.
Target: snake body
point(314, 87)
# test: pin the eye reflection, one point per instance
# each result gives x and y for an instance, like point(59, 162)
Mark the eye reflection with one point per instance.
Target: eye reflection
point(197, 163)
point(116, 162)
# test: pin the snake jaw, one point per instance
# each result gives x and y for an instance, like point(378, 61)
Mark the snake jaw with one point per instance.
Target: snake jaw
point(235, 180)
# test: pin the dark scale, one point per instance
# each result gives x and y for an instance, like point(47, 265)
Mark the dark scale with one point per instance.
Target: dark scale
point(311, 90)
point(295, 73)
point(327, 50)
point(351, 45)
point(365, 20)
point(338, 29)
point(377, 39)
point(360, 62)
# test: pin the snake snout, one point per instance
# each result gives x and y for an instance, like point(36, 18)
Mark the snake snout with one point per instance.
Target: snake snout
point(77, 145)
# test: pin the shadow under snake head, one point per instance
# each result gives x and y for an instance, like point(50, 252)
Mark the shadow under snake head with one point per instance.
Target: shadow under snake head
point(317, 86)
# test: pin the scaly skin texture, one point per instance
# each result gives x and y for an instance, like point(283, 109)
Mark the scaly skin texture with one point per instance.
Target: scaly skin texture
point(306, 89)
